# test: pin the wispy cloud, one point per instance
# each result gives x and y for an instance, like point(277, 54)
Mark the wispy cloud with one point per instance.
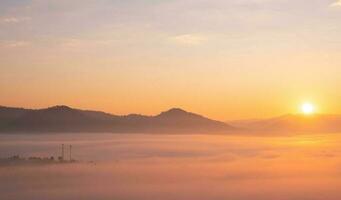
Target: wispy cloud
point(337, 3)
point(14, 44)
point(14, 20)
point(82, 43)
point(189, 39)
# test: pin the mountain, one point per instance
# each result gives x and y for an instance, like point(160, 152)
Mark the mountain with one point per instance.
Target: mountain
point(185, 120)
point(8, 114)
point(294, 123)
point(66, 119)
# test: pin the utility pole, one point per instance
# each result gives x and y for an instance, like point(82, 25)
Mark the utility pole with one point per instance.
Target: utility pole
point(62, 152)
point(70, 153)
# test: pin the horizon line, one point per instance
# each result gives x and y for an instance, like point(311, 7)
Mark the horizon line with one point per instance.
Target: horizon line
point(170, 109)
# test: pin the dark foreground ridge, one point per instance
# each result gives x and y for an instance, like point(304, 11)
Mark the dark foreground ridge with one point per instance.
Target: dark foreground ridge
point(65, 119)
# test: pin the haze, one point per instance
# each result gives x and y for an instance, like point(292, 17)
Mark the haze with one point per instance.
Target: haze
point(174, 167)
point(223, 59)
point(170, 99)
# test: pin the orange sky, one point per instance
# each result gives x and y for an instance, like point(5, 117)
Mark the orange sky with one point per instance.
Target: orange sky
point(226, 60)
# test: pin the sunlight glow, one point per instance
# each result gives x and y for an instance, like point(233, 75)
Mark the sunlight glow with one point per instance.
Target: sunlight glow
point(307, 108)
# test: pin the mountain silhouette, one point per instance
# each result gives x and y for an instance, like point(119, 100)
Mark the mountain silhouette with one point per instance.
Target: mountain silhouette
point(65, 119)
point(294, 123)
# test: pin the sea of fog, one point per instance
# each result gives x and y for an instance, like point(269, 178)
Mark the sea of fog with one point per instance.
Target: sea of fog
point(174, 167)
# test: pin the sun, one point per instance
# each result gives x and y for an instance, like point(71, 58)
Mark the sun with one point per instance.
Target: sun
point(308, 108)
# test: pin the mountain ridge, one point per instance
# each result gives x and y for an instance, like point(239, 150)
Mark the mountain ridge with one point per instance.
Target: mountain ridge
point(294, 123)
point(62, 118)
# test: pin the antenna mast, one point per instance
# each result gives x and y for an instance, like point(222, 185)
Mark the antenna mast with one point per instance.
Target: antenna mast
point(70, 153)
point(62, 152)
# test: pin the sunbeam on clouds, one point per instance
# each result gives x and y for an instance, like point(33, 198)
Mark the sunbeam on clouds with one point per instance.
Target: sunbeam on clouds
point(337, 3)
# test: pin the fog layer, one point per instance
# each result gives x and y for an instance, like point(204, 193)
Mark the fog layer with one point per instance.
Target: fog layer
point(174, 167)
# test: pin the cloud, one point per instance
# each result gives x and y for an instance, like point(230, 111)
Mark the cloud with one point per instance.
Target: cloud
point(337, 3)
point(14, 44)
point(14, 20)
point(85, 43)
point(189, 39)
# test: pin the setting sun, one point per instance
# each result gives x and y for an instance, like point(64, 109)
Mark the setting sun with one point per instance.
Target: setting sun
point(307, 108)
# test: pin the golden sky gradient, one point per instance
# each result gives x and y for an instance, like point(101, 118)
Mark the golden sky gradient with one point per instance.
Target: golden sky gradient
point(224, 59)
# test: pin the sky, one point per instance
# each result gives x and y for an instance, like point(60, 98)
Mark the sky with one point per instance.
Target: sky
point(225, 59)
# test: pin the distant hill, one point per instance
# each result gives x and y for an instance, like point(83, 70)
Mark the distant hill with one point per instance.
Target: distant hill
point(321, 123)
point(66, 119)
